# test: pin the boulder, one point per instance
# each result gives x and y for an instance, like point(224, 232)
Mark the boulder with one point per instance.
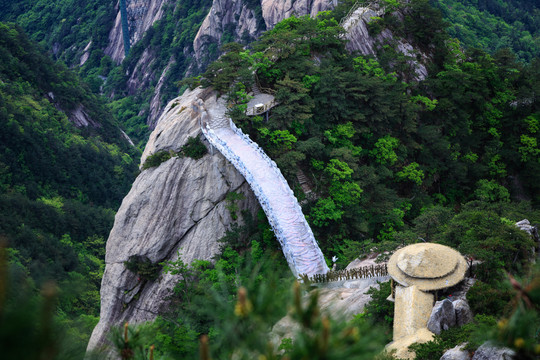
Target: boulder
point(456, 353)
point(525, 225)
point(443, 317)
point(464, 314)
point(339, 300)
point(489, 352)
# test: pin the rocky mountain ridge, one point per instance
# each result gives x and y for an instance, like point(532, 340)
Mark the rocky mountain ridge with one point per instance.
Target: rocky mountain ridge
point(236, 20)
point(175, 209)
point(244, 21)
point(149, 12)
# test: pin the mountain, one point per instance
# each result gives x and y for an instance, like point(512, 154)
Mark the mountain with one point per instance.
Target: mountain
point(170, 40)
point(387, 129)
point(413, 139)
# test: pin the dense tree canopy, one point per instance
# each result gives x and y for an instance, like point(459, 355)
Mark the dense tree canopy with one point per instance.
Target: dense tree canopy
point(59, 184)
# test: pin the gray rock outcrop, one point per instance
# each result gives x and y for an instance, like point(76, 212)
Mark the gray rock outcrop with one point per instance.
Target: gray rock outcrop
point(152, 11)
point(274, 11)
point(359, 39)
point(464, 314)
point(240, 18)
point(176, 208)
point(526, 226)
point(443, 317)
point(225, 14)
point(456, 353)
point(489, 352)
point(80, 118)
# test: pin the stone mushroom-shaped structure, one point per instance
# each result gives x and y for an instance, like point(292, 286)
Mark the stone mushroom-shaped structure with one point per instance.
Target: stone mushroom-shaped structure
point(418, 269)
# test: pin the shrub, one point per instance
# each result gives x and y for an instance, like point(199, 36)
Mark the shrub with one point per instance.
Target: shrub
point(156, 159)
point(232, 203)
point(487, 299)
point(194, 148)
point(143, 267)
point(379, 311)
point(471, 333)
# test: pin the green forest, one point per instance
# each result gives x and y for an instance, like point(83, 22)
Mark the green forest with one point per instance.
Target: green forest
point(453, 159)
point(59, 185)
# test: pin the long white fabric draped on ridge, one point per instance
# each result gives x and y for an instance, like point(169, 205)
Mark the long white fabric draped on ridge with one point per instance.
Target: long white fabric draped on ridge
point(275, 196)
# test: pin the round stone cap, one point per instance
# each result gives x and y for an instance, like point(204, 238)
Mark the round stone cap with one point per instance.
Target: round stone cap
point(428, 266)
point(427, 261)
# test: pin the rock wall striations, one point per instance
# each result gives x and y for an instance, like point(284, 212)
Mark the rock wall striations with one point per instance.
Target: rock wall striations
point(275, 11)
point(178, 206)
point(150, 11)
point(243, 21)
point(240, 18)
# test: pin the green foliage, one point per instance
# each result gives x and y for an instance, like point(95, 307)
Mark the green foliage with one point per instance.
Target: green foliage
point(325, 211)
point(338, 170)
point(232, 203)
point(232, 67)
point(520, 330)
point(430, 104)
point(65, 26)
point(41, 153)
point(130, 342)
point(483, 235)
point(156, 159)
point(487, 299)
point(172, 340)
point(432, 221)
point(194, 148)
point(412, 173)
point(22, 310)
point(383, 152)
point(379, 310)
point(144, 268)
point(31, 326)
point(490, 191)
point(280, 138)
point(492, 25)
point(453, 337)
point(371, 67)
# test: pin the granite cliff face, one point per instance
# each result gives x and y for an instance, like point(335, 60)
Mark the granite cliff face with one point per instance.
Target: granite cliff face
point(240, 18)
point(178, 206)
point(275, 11)
point(145, 13)
point(243, 21)
point(226, 15)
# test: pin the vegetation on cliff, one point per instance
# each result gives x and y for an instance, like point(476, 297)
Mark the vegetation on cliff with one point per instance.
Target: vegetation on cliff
point(452, 159)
